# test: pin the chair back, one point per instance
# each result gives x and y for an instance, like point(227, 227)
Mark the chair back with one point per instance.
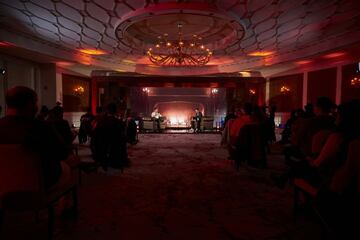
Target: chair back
point(348, 175)
point(319, 140)
point(251, 145)
point(20, 170)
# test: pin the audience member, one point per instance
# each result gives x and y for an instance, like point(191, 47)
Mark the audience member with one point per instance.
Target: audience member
point(85, 126)
point(271, 124)
point(230, 115)
point(131, 128)
point(20, 127)
point(240, 121)
point(56, 119)
point(109, 140)
point(303, 129)
point(309, 111)
point(320, 170)
point(286, 133)
point(43, 114)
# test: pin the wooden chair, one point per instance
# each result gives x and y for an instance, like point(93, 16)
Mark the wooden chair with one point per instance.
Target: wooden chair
point(22, 185)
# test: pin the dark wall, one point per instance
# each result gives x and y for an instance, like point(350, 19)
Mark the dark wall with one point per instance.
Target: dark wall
point(74, 101)
point(286, 102)
point(349, 92)
point(321, 83)
point(241, 94)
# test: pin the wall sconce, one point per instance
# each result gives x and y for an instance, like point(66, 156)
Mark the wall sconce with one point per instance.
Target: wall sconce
point(284, 89)
point(146, 90)
point(79, 90)
point(252, 91)
point(355, 82)
point(214, 91)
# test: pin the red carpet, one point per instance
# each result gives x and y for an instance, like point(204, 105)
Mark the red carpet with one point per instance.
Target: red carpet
point(182, 187)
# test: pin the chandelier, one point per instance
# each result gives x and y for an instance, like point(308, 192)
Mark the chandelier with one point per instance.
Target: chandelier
point(180, 52)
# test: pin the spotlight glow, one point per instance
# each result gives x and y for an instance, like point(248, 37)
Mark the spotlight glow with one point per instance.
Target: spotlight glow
point(93, 51)
point(260, 53)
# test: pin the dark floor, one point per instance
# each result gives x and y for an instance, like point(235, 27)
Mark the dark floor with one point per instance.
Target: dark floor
point(179, 186)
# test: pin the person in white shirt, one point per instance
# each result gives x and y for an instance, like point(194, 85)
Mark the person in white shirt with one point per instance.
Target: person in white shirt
point(155, 115)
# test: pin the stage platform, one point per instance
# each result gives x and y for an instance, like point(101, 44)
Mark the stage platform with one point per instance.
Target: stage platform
point(180, 131)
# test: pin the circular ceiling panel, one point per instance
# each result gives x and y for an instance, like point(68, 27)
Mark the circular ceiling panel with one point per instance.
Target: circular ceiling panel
point(140, 30)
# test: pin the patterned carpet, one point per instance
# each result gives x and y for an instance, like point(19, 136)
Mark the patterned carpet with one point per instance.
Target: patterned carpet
point(180, 186)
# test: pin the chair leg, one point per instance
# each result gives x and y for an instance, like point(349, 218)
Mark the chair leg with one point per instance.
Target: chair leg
point(37, 216)
point(51, 221)
point(296, 202)
point(2, 216)
point(75, 200)
point(80, 177)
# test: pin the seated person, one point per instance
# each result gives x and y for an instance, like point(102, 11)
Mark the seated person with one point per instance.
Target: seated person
point(20, 127)
point(319, 170)
point(304, 129)
point(197, 118)
point(85, 126)
point(239, 122)
point(131, 128)
point(109, 140)
point(57, 121)
point(156, 116)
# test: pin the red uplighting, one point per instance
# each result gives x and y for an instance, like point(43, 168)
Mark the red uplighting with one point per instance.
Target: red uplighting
point(64, 64)
point(6, 44)
point(260, 53)
point(92, 51)
point(334, 55)
point(303, 62)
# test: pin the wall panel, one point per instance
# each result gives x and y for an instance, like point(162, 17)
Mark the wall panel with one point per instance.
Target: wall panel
point(286, 102)
point(321, 83)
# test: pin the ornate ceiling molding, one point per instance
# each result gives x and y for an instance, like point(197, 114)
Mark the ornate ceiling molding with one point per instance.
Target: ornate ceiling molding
point(139, 30)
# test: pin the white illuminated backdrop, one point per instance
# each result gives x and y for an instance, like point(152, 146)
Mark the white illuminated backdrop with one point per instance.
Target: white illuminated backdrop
point(177, 105)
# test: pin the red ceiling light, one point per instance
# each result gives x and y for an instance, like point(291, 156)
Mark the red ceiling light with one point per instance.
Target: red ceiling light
point(303, 62)
point(334, 55)
point(6, 44)
point(252, 91)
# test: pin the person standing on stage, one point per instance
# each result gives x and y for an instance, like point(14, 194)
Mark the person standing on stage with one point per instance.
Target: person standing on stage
point(198, 116)
point(155, 115)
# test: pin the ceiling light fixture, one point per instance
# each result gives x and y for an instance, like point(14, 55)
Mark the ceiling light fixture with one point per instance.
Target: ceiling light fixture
point(92, 51)
point(260, 54)
point(180, 52)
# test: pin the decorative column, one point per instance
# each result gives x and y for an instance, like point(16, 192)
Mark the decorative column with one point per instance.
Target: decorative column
point(94, 95)
point(267, 91)
point(305, 89)
point(338, 84)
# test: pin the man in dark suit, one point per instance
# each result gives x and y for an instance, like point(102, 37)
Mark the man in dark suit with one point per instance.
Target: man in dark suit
point(198, 117)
